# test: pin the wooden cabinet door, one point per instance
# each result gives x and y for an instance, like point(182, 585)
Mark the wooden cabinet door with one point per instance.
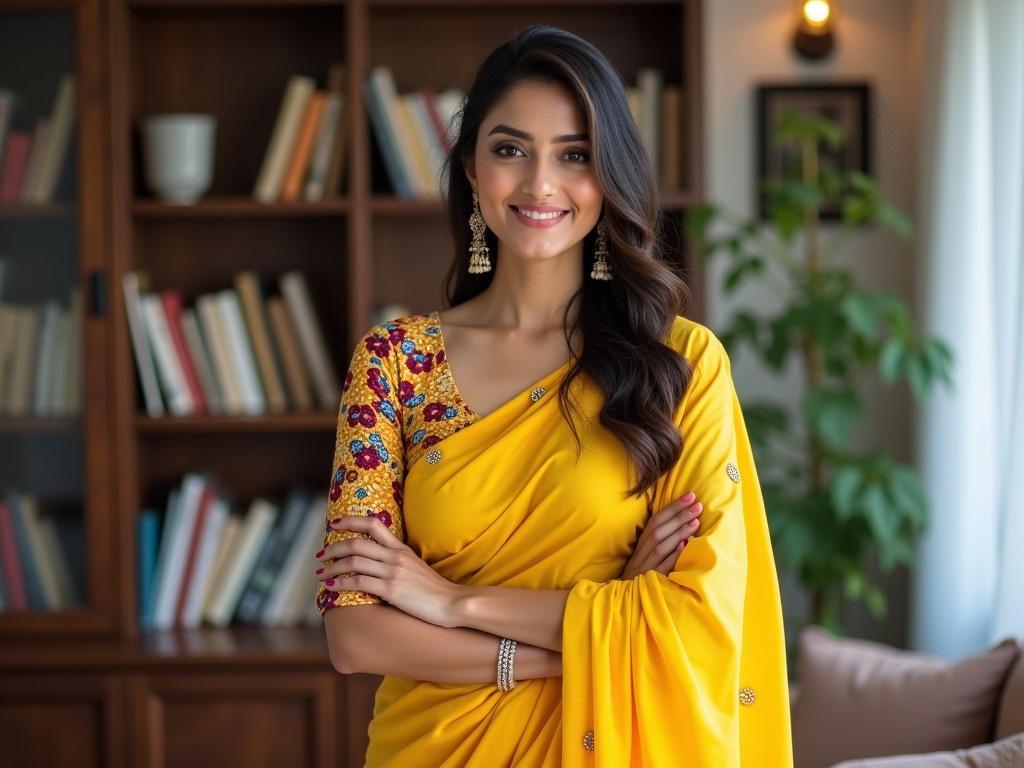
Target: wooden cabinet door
point(56, 430)
point(52, 721)
point(186, 718)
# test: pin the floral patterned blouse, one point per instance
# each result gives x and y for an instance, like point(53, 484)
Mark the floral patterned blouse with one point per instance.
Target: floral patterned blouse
point(398, 399)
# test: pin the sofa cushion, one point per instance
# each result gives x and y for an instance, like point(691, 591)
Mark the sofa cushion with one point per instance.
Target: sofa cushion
point(1005, 753)
point(859, 698)
point(1011, 704)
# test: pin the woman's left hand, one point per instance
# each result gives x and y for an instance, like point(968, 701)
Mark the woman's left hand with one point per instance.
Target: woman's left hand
point(387, 567)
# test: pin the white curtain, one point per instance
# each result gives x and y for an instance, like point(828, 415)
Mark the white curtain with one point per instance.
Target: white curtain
point(969, 584)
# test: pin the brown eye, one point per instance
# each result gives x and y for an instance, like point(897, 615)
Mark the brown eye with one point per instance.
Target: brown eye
point(498, 149)
point(583, 155)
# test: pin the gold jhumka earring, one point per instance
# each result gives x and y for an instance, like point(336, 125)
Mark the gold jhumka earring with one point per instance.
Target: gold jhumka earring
point(478, 250)
point(601, 270)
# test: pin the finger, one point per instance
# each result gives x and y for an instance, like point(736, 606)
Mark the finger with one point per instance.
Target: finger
point(668, 516)
point(667, 565)
point(677, 504)
point(368, 524)
point(672, 522)
point(362, 583)
point(368, 548)
point(669, 544)
point(352, 564)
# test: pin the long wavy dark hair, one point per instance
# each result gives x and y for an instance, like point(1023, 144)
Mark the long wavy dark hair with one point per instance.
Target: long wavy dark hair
point(623, 320)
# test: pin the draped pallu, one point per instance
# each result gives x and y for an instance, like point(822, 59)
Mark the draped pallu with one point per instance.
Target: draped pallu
point(687, 669)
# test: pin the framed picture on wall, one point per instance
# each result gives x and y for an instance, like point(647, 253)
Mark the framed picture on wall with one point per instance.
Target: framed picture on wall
point(847, 104)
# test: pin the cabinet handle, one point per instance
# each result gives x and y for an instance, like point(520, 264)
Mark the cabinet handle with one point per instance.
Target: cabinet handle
point(98, 293)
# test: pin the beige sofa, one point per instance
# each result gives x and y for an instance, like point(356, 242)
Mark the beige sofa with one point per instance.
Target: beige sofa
point(871, 706)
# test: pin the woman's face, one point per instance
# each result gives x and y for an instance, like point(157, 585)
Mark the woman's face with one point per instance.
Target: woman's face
point(533, 155)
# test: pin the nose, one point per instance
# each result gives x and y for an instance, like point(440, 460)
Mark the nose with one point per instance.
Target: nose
point(539, 182)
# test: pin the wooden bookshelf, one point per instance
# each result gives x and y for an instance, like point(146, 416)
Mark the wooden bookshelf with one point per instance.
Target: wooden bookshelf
point(136, 695)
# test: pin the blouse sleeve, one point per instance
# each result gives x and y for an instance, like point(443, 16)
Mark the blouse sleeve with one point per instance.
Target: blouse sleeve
point(368, 468)
point(652, 665)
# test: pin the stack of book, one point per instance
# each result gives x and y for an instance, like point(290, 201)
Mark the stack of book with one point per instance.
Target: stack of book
point(658, 110)
point(37, 557)
point(304, 159)
point(414, 132)
point(41, 358)
point(31, 161)
point(204, 564)
point(238, 351)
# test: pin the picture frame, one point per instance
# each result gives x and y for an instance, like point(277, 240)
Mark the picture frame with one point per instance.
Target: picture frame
point(846, 103)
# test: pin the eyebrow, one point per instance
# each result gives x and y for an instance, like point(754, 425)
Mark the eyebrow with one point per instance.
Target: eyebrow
point(502, 128)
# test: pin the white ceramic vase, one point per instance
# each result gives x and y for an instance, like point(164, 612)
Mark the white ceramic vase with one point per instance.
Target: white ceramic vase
point(178, 152)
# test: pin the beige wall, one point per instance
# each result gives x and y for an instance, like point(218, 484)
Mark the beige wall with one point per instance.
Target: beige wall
point(748, 42)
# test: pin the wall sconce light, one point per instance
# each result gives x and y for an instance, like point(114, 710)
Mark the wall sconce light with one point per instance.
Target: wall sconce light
point(814, 38)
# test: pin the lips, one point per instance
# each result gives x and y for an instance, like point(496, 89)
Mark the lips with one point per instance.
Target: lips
point(547, 221)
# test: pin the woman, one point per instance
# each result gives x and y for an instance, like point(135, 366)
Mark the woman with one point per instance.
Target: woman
point(516, 478)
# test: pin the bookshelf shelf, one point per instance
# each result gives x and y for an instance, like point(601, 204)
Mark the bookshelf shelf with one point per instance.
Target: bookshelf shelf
point(300, 422)
point(38, 424)
point(208, 647)
point(37, 211)
point(360, 249)
point(240, 5)
point(392, 206)
point(226, 206)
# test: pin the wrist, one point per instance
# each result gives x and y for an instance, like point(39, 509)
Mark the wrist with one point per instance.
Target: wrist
point(533, 662)
point(459, 606)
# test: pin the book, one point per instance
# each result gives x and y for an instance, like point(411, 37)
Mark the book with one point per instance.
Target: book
point(315, 188)
point(268, 568)
point(35, 155)
point(134, 285)
point(239, 347)
point(256, 527)
point(214, 332)
point(287, 342)
point(17, 148)
point(172, 303)
point(298, 164)
point(379, 93)
point(29, 320)
point(251, 290)
point(298, 90)
point(336, 166)
point(168, 364)
point(55, 150)
point(199, 352)
point(297, 566)
point(298, 300)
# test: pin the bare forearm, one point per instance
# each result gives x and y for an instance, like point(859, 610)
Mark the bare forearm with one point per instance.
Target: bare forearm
point(383, 640)
point(532, 616)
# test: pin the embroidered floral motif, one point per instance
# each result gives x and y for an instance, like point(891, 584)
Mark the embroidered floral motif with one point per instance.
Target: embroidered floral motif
point(397, 402)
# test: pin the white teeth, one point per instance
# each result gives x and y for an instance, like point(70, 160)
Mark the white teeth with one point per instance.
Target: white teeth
point(537, 215)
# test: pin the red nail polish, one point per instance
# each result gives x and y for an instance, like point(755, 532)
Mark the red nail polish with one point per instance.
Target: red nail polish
point(318, 553)
point(329, 582)
point(319, 571)
point(335, 521)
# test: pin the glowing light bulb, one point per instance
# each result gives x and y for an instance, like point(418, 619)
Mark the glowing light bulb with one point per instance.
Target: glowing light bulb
point(816, 12)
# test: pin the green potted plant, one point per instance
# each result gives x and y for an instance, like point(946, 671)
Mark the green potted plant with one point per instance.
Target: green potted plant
point(829, 506)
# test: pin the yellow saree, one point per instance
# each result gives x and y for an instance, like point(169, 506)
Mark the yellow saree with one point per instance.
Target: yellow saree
point(681, 670)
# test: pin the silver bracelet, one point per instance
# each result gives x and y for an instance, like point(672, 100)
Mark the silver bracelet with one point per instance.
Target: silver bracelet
point(506, 664)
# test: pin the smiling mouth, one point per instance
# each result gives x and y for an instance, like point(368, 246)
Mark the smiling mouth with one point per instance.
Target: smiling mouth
point(539, 216)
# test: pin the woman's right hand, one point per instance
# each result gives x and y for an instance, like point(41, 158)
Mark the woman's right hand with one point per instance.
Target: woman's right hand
point(664, 537)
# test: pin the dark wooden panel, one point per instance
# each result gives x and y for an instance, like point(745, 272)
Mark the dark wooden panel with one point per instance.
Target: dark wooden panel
point(54, 721)
point(249, 464)
point(256, 720)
